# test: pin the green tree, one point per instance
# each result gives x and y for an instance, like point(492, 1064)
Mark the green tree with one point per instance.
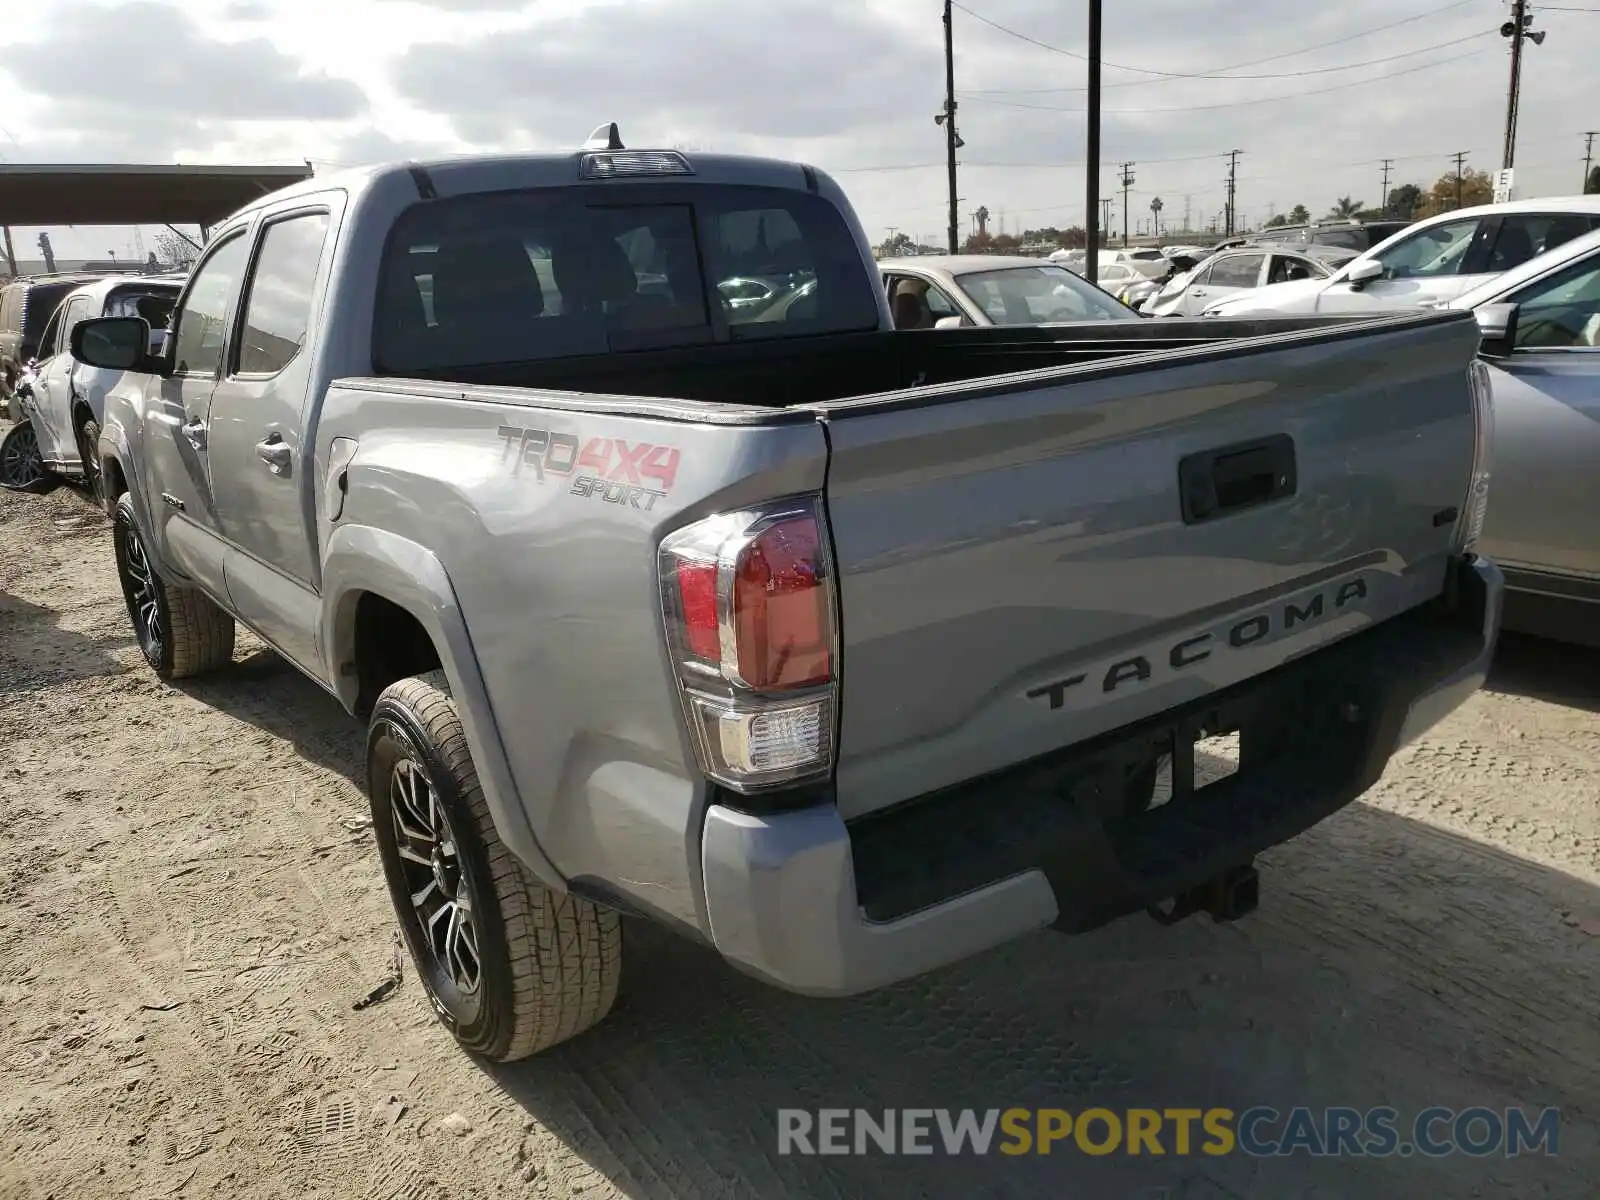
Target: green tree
point(1299, 215)
point(1344, 208)
point(1403, 200)
point(1276, 220)
point(1449, 193)
point(897, 245)
point(1592, 184)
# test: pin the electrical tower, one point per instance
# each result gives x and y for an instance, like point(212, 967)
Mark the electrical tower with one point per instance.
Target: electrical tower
point(1588, 157)
point(1460, 157)
point(1383, 196)
point(1188, 208)
point(1127, 182)
point(1105, 216)
point(1233, 178)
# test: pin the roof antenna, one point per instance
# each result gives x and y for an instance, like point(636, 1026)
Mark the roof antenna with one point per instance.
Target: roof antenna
point(605, 137)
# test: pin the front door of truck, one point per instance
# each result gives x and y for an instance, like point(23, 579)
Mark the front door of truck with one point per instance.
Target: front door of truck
point(257, 420)
point(177, 444)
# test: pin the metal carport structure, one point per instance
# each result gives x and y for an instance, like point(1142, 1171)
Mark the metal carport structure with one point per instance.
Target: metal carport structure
point(127, 194)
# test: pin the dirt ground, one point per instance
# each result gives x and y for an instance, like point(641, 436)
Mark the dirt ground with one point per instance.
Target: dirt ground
point(191, 907)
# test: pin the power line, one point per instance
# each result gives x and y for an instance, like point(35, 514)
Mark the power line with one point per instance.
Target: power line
point(1371, 62)
point(1216, 72)
point(1256, 62)
point(1338, 87)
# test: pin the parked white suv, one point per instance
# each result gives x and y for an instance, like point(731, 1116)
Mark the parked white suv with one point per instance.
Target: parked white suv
point(1431, 262)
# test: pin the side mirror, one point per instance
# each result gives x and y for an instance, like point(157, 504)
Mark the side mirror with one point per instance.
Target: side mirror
point(1364, 273)
point(1497, 324)
point(115, 344)
point(947, 323)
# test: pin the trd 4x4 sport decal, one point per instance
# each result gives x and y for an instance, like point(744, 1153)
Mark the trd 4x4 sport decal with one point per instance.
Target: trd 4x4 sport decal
point(611, 470)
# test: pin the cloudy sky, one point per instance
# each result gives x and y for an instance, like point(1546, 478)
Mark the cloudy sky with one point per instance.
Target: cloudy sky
point(1315, 95)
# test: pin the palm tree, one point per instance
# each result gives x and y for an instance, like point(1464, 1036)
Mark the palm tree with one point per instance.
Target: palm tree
point(1344, 207)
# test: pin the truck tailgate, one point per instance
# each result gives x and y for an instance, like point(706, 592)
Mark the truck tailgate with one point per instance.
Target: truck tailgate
point(1020, 567)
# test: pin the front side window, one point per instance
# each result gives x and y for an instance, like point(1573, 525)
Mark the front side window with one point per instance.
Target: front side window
point(277, 307)
point(1561, 311)
point(1237, 271)
point(1438, 250)
point(1030, 295)
point(202, 322)
point(1286, 268)
point(941, 305)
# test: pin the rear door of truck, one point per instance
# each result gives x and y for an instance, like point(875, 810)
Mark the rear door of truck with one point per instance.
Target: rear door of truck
point(1028, 562)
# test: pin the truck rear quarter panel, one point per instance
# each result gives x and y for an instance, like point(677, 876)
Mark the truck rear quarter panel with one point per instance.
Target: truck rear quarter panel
point(546, 523)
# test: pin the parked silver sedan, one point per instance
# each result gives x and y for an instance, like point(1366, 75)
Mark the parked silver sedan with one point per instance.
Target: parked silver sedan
point(1541, 326)
point(945, 291)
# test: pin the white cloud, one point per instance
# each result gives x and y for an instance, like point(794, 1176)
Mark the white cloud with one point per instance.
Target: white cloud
point(850, 85)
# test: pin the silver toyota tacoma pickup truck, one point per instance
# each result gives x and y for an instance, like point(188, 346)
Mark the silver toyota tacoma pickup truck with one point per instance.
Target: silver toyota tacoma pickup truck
point(846, 651)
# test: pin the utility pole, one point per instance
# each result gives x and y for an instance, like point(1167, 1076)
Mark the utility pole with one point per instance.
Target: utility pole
point(948, 119)
point(1233, 176)
point(1461, 157)
point(1383, 196)
point(1516, 29)
point(11, 254)
point(1127, 182)
point(1588, 157)
point(1091, 167)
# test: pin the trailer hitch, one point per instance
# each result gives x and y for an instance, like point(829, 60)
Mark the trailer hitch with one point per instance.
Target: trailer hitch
point(1227, 897)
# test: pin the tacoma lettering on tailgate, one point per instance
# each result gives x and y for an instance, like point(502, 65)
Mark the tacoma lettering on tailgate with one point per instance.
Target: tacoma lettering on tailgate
point(1139, 667)
point(611, 470)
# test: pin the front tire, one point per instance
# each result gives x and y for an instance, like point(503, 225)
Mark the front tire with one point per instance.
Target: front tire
point(89, 453)
point(181, 632)
point(22, 466)
point(510, 966)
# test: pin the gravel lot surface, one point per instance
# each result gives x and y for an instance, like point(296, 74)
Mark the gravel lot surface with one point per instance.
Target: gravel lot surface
point(191, 907)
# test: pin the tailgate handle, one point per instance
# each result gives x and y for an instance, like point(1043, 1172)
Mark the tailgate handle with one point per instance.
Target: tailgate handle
point(1230, 479)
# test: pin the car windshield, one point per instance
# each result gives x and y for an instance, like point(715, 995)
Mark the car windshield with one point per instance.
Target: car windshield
point(1032, 295)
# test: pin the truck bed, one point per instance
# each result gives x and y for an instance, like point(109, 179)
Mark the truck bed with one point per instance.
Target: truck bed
point(838, 367)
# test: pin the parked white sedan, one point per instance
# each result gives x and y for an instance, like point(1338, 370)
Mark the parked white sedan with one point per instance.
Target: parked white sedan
point(942, 291)
point(1239, 272)
point(1431, 262)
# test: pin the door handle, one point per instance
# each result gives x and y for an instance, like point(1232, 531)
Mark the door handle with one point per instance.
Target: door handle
point(275, 453)
point(195, 430)
point(1229, 479)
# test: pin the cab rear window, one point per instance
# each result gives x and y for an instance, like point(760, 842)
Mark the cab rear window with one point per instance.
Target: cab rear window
point(556, 273)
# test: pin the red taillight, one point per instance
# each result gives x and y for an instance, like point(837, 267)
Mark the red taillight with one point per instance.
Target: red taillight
point(697, 593)
point(780, 605)
point(749, 618)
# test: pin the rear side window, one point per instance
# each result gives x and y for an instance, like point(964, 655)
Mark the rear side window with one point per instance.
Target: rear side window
point(512, 277)
point(277, 307)
point(42, 302)
point(1348, 239)
point(1522, 236)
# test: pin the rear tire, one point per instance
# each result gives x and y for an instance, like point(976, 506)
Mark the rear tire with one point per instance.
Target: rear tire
point(180, 631)
point(510, 966)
